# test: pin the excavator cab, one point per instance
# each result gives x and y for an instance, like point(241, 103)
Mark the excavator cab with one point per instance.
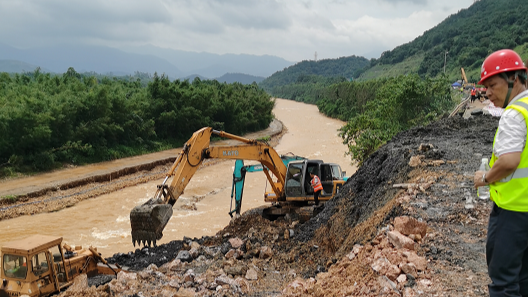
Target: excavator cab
point(295, 179)
point(298, 186)
point(41, 266)
point(29, 266)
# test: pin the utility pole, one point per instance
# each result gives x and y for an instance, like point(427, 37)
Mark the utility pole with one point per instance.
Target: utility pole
point(445, 59)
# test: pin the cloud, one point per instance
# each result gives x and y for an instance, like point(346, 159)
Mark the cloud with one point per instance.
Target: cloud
point(293, 29)
point(33, 22)
point(215, 16)
point(420, 2)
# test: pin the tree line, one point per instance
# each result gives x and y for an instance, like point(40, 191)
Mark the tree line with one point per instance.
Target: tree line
point(378, 110)
point(47, 120)
point(375, 110)
point(307, 88)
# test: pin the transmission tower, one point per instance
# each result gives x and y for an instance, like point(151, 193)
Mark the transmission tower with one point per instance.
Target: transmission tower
point(315, 57)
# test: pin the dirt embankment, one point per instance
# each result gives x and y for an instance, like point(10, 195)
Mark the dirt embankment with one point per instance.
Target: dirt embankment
point(357, 245)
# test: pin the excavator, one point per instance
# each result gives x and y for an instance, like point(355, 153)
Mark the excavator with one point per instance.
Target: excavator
point(465, 82)
point(239, 175)
point(290, 184)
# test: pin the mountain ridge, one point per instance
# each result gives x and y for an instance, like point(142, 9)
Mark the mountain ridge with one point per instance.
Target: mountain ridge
point(190, 62)
point(108, 60)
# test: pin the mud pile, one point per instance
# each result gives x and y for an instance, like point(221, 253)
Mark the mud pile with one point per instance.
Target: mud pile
point(424, 173)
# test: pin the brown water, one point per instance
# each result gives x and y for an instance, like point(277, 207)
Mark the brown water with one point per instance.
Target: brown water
point(104, 221)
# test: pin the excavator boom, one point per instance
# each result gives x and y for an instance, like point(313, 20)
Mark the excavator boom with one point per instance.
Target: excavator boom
point(149, 219)
point(464, 78)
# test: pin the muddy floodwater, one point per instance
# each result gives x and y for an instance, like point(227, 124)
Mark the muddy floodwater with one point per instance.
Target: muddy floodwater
point(104, 221)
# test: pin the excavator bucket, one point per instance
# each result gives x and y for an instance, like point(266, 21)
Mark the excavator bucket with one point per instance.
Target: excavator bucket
point(148, 221)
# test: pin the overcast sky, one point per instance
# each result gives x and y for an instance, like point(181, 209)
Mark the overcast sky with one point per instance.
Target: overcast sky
point(291, 29)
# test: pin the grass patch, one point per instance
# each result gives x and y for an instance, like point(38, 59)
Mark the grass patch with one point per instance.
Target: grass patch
point(10, 198)
point(408, 66)
point(264, 138)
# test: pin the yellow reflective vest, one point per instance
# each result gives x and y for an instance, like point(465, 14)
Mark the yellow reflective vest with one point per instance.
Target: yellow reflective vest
point(511, 192)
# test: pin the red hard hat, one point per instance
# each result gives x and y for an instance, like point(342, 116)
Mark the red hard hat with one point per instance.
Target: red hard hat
point(501, 61)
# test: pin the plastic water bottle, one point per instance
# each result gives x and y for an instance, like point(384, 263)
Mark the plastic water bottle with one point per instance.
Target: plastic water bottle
point(483, 191)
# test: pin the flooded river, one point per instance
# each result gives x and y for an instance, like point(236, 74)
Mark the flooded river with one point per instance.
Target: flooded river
point(104, 221)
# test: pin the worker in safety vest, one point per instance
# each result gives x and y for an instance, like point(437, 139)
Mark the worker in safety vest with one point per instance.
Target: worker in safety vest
point(317, 187)
point(473, 94)
point(504, 75)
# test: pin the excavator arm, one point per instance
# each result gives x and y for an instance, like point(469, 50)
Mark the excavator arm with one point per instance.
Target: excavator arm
point(149, 219)
point(464, 78)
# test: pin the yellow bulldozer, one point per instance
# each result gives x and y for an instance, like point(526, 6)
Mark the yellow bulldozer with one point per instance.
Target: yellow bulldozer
point(290, 184)
point(42, 265)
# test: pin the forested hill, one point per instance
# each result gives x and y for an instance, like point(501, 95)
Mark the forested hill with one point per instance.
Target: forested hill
point(467, 37)
point(242, 78)
point(346, 67)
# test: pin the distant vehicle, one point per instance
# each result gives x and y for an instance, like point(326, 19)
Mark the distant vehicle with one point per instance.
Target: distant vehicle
point(465, 84)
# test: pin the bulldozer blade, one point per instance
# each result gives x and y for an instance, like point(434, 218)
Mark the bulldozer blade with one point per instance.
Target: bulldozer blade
point(148, 221)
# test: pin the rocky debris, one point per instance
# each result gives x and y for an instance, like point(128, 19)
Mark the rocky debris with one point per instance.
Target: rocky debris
point(396, 267)
point(236, 242)
point(251, 274)
point(80, 287)
point(346, 249)
point(400, 241)
point(409, 226)
point(99, 280)
point(416, 160)
point(184, 256)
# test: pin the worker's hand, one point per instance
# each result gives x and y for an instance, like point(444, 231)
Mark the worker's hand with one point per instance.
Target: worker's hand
point(477, 179)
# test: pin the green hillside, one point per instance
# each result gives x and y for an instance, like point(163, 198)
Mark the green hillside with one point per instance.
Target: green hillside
point(306, 80)
point(346, 67)
point(467, 37)
point(407, 66)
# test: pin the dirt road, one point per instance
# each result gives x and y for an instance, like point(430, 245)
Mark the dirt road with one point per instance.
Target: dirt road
point(104, 220)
